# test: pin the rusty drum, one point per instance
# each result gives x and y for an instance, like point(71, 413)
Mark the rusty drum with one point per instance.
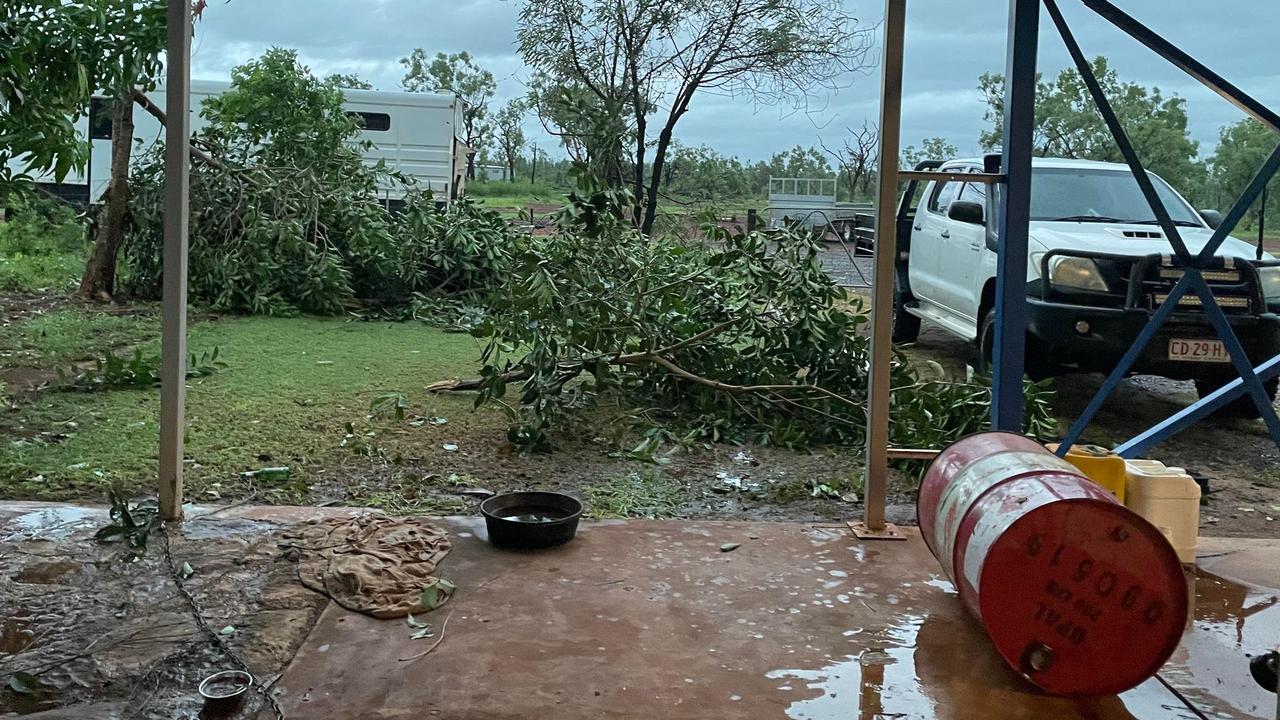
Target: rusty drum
point(1079, 594)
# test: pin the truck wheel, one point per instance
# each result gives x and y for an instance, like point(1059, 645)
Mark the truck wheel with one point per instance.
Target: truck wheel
point(906, 327)
point(1241, 407)
point(1036, 364)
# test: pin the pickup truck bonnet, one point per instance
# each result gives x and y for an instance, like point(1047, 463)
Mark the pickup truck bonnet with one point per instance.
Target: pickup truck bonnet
point(1135, 240)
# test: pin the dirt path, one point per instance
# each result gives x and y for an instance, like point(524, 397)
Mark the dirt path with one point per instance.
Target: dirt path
point(1237, 457)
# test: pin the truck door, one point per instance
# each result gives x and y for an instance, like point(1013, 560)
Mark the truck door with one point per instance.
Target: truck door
point(927, 236)
point(961, 258)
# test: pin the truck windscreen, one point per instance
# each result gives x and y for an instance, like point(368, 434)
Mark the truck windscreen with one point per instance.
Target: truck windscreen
point(1098, 195)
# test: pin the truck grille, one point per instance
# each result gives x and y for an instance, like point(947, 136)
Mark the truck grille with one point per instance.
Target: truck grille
point(1233, 288)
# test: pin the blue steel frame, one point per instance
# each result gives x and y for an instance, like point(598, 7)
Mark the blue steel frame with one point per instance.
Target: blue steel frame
point(1014, 217)
point(1009, 348)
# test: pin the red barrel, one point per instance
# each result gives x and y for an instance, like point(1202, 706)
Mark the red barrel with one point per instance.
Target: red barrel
point(1079, 594)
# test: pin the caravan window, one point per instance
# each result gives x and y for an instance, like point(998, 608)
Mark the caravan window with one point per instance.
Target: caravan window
point(99, 119)
point(374, 122)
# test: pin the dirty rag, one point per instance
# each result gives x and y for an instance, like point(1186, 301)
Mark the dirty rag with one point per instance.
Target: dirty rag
point(373, 564)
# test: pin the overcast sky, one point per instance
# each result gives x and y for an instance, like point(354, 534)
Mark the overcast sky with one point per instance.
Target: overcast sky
point(949, 44)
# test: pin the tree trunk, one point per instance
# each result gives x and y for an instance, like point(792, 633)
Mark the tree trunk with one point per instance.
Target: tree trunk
point(99, 281)
point(659, 159)
point(638, 174)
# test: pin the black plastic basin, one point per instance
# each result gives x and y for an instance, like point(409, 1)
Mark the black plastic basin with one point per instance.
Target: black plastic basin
point(528, 520)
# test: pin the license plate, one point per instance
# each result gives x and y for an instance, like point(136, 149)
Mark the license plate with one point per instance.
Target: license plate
point(1207, 351)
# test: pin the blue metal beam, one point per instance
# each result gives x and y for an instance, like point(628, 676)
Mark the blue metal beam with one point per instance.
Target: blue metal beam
point(1239, 358)
point(1256, 187)
point(1185, 62)
point(1117, 132)
point(1206, 406)
point(1121, 369)
point(1249, 381)
point(1010, 308)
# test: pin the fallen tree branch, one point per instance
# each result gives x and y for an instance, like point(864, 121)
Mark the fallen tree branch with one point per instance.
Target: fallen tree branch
point(145, 103)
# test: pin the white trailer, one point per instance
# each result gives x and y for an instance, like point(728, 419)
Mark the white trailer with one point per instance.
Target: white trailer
point(416, 134)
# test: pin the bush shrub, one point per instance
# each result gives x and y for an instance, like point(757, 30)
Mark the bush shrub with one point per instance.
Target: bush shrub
point(42, 244)
point(289, 220)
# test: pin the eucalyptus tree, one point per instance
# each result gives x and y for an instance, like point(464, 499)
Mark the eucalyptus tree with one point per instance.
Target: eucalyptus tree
point(642, 63)
point(459, 74)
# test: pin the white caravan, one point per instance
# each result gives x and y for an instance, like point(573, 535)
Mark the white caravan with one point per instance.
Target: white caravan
point(417, 134)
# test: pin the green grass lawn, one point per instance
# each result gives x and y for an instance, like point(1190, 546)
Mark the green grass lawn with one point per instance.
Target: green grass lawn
point(40, 272)
point(290, 388)
point(71, 333)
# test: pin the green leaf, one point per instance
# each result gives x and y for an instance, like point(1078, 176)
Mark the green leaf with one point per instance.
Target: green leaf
point(437, 593)
point(25, 683)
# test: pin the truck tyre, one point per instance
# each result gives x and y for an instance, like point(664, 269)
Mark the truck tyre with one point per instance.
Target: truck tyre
point(1036, 365)
point(1241, 407)
point(906, 327)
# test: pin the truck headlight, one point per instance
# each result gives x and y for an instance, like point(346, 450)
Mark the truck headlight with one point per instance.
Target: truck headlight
point(1076, 273)
point(1269, 278)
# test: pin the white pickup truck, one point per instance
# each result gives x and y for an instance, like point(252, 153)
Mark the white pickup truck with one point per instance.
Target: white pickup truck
point(1098, 267)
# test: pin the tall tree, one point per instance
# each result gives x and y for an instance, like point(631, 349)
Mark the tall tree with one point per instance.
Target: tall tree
point(459, 74)
point(1242, 149)
point(56, 53)
point(141, 37)
point(651, 58)
point(1068, 123)
point(509, 133)
point(856, 160)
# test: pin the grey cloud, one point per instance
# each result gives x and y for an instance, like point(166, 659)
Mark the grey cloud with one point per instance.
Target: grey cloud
point(949, 44)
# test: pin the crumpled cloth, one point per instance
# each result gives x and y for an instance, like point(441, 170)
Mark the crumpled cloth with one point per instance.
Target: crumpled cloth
point(373, 564)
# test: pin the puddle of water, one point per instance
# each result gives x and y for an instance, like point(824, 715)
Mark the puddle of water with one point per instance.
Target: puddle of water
point(928, 667)
point(874, 683)
point(53, 523)
point(1211, 667)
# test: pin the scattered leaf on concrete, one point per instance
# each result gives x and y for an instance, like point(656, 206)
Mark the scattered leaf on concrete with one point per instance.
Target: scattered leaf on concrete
point(730, 547)
point(227, 631)
point(849, 497)
point(26, 684)
point(435, 594)
point(425, 632)
point(186, 571)
point(414, 622)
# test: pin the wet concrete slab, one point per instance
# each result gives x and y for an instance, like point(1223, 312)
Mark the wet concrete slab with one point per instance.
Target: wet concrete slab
point(653, 619)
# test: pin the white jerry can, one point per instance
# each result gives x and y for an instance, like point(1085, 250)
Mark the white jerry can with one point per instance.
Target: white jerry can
point(1168, 498)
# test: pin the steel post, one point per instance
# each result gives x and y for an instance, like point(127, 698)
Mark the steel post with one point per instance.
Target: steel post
point(895, 12)
point(173, 353)
point(1014, 216)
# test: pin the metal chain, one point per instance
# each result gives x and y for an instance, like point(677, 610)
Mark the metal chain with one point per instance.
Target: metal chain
point(214, 635)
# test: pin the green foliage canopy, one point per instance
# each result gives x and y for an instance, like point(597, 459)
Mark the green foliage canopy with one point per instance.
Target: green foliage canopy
point(1242, 149)
point(1068, 123)
point(55, 54)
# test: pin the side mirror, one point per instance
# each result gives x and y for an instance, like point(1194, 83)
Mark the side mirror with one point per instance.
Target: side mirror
point(966, 212)
point(1212, 217)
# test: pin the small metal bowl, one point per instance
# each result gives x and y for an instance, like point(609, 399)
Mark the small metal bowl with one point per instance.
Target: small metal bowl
point(529, 520)
point(224, 692)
